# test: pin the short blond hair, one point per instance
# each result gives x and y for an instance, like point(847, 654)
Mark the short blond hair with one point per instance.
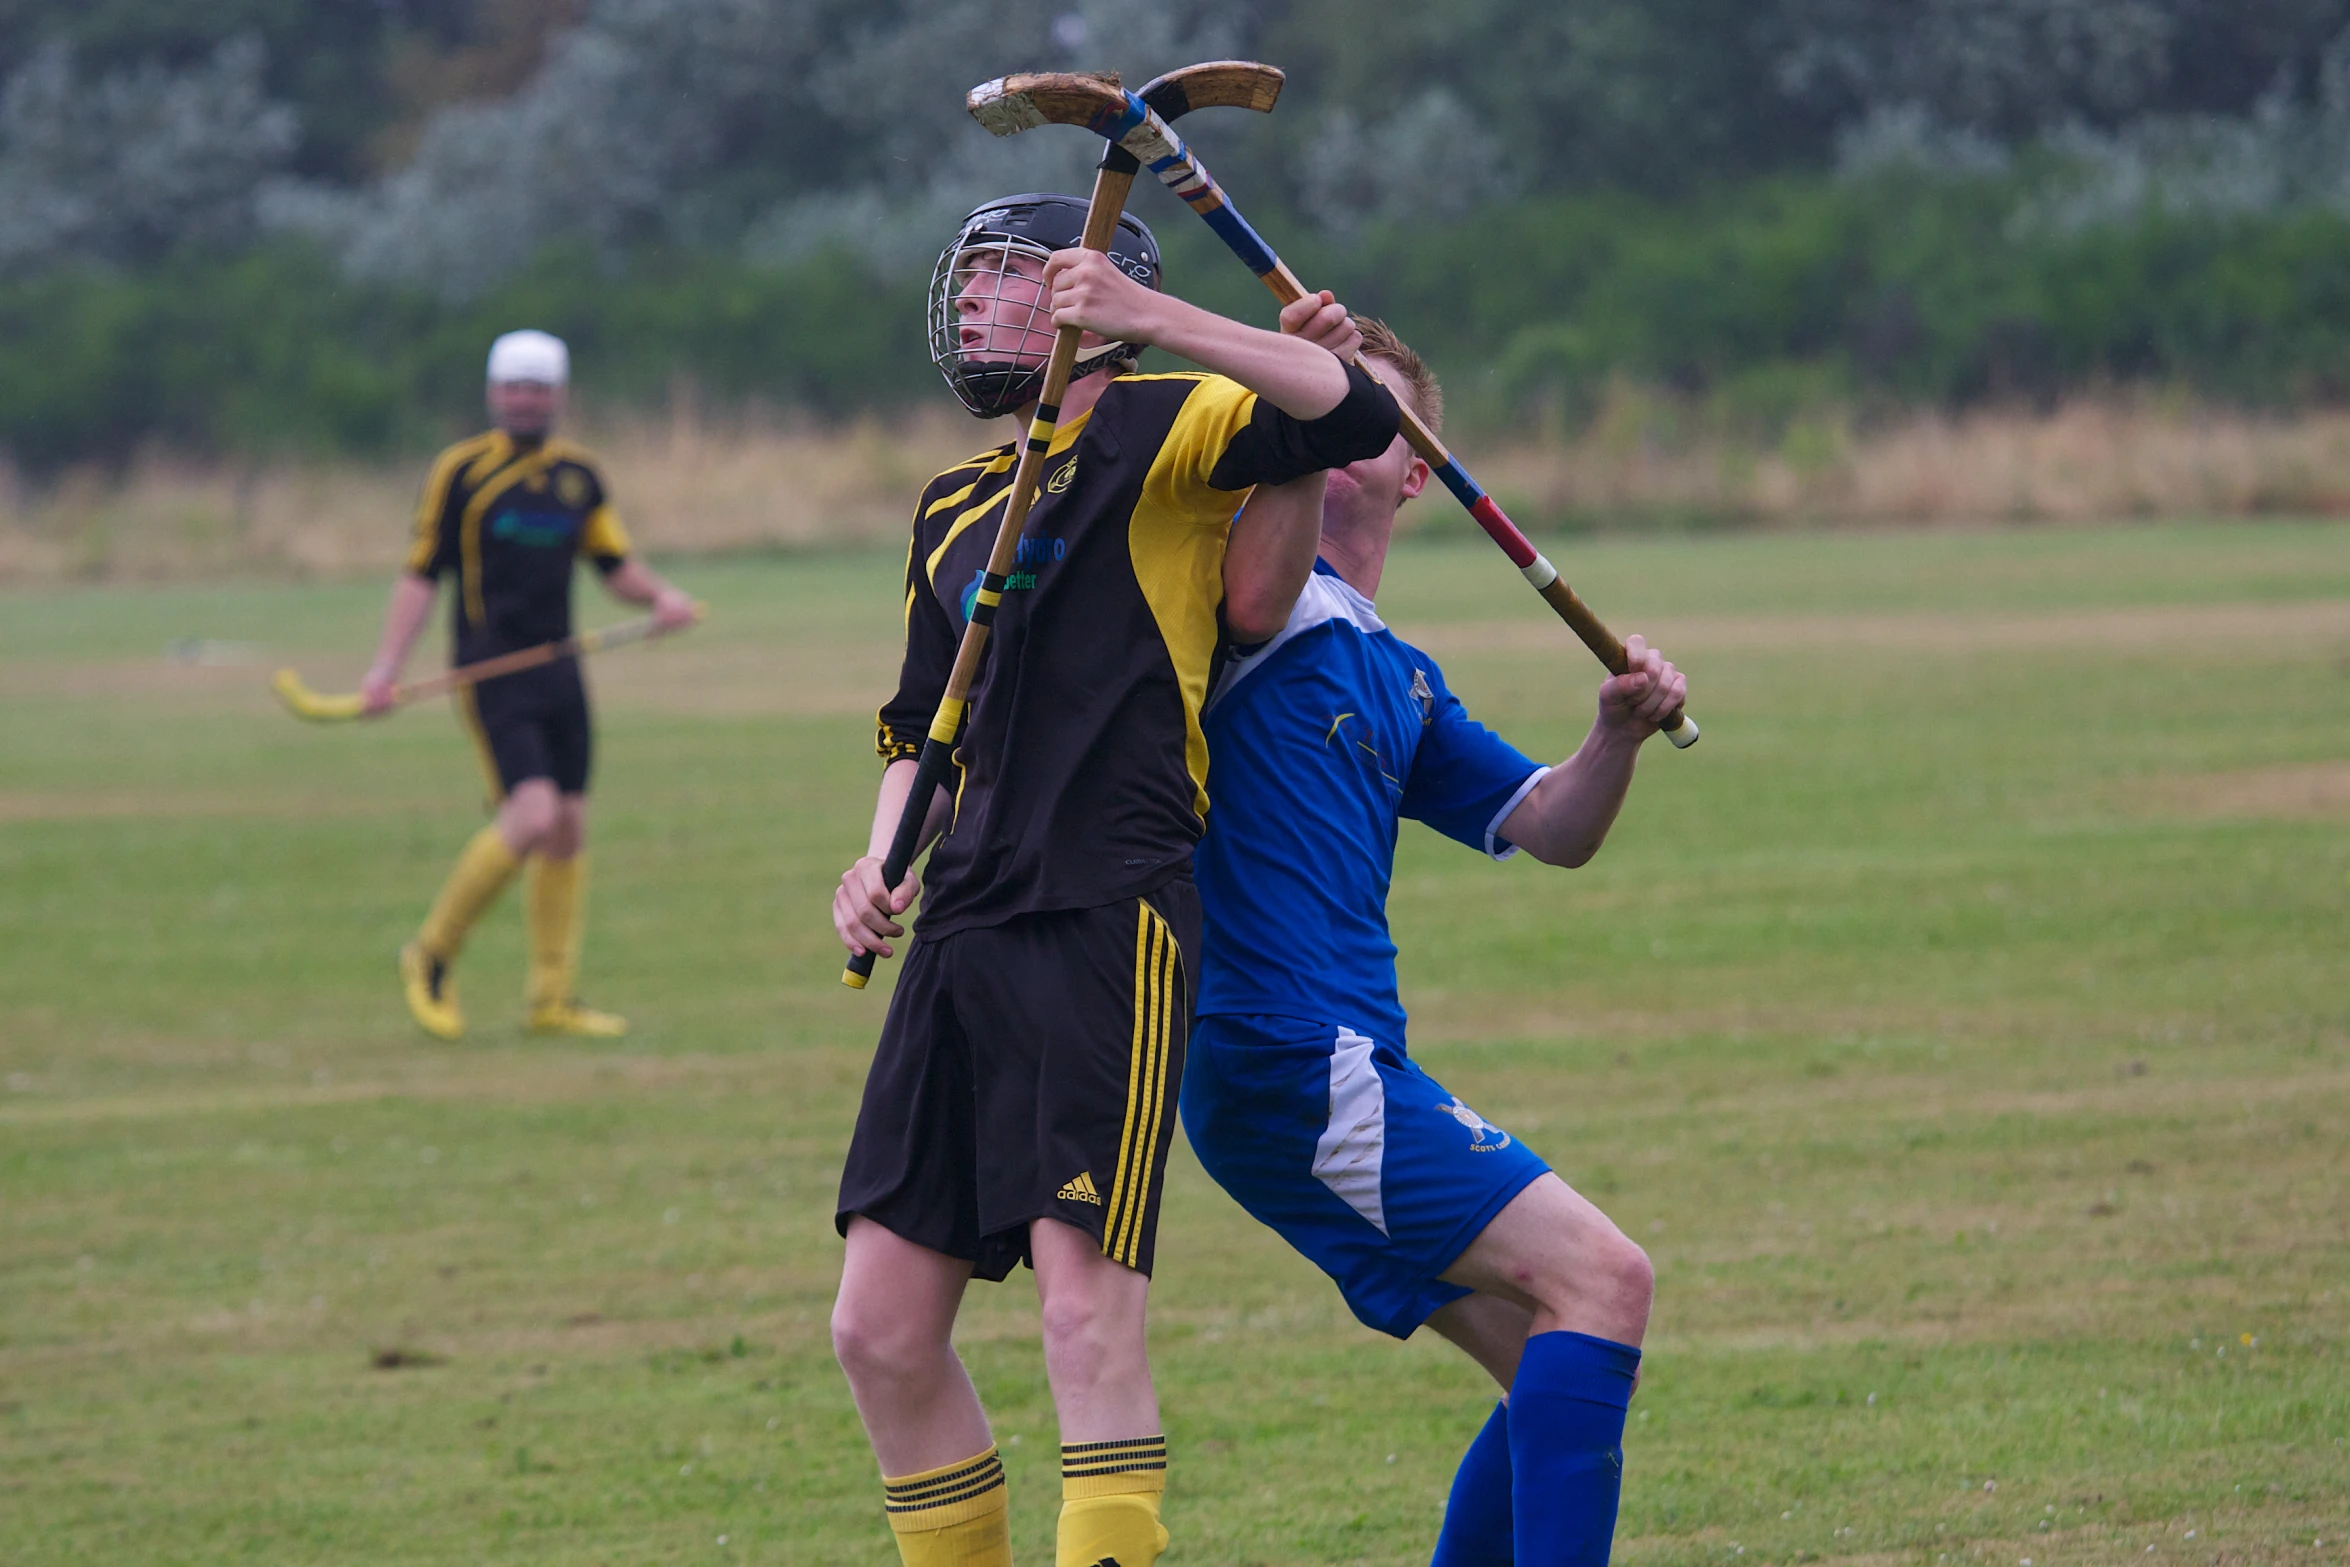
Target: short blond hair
point(1380, 342)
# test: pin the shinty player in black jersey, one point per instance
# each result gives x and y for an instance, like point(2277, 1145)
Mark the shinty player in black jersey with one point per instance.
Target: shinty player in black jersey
point(1021, 1101)
point(509, 513)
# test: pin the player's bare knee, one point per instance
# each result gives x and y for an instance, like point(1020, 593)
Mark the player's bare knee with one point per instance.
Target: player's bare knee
point(873, 1344)
point(1588, 1266)
point(1086, 1333)
point(1074, 1321)
point(566, 833)
point(1627, 1268)
point(528, 816)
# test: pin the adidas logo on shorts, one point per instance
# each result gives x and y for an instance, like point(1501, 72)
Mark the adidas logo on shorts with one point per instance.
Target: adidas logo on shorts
point(1080, 1188)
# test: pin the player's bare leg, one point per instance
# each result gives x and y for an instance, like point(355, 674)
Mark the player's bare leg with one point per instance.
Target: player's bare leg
point(1552, 1253)
point(1113, 1450)
point(1489, 1330)
point(1094, 1354)
point(1561, 1304)
point(892, 1327)
point(527, 817)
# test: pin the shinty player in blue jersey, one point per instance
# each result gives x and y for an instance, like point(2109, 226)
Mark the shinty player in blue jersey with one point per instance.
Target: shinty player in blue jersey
point(1299, 1096)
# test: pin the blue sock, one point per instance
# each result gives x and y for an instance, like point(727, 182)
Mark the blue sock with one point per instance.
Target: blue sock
point(1567, 1447)
point(1477, 1518)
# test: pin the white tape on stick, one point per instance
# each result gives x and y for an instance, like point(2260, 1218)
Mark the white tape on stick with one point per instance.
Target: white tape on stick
point(1004, 113)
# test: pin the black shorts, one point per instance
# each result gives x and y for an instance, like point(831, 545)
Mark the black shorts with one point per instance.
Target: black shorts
point(1029, 1070)
point(532, 724)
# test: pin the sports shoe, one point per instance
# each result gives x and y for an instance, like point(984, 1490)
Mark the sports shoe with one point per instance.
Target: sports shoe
point(431, 993)
point(570, 1017)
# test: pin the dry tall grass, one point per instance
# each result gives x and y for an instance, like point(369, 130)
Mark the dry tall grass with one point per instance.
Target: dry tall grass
point(693, 486)
point(2089, 460)
point(683, 486)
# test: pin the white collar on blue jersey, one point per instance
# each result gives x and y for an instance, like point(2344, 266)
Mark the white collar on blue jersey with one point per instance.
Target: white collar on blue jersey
point(1327, 596)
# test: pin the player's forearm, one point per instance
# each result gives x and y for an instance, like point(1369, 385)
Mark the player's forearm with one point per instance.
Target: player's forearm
point(634, 582)
point(1301, 379)
point(1567, 817)
point(1269, 556)
point(896, 780)
point(409, 607)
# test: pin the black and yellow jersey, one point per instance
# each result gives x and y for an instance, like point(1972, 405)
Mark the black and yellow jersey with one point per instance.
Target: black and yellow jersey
point(1082, 775)
point(509, 519)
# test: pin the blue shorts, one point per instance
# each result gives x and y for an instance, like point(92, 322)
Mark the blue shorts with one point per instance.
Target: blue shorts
point(1359, 1159)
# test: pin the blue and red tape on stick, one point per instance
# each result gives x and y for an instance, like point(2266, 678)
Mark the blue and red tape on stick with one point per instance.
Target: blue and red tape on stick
point(1127, 121)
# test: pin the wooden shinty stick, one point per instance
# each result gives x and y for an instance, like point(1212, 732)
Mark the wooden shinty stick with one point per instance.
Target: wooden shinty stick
point(319, 708)
point(1012, 104)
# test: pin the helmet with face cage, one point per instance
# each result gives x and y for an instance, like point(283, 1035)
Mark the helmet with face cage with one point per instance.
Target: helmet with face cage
point(991, 383)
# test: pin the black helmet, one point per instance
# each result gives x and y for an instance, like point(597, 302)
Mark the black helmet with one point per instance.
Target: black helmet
point(1033, 225)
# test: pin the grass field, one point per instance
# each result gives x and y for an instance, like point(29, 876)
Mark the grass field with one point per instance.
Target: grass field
point(1962, 1026)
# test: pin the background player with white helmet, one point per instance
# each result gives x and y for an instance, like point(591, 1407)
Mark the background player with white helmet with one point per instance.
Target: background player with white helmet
point(509, 513)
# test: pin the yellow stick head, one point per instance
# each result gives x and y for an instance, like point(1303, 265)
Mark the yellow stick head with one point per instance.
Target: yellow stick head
point(305, 703)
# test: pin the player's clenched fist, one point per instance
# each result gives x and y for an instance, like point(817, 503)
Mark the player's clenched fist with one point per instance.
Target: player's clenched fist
point(1323, 322)
point(1649, 691)
point(1087, 289)
point(863, 904)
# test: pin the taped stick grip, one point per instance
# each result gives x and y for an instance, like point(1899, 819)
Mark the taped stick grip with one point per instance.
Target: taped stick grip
point(929, 772)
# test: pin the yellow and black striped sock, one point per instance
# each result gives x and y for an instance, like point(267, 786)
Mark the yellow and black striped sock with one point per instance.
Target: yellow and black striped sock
point(1110, 1502)
point(958, 1516)
point(480, 874)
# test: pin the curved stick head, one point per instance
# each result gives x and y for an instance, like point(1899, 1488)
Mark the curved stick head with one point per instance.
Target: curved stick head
point(1214, 84)
point(1012, 104)
point(307, 704)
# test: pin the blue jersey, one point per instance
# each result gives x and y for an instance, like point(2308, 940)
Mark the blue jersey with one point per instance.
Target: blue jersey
point(1323, 739)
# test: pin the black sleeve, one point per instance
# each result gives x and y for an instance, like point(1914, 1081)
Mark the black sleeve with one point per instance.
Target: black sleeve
point(931, 645)
point(602, 538)
point(432, 545)
point(1276, 448)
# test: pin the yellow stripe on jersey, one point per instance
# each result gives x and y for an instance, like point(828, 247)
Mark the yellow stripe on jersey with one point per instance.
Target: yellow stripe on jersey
point(435, 499)
point(1211, 419)
point(1179, 553)
point(1063, 438)
point(469, 530)
point(888, 742)
point(602, 536)
point(962, 521)
point(987, 462)
point(491, 458)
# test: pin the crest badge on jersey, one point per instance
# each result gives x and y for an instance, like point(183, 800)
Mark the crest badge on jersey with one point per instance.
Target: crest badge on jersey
point(1061, 478)
point(1484, 1136)
point(1426, 695)
point(571, 487)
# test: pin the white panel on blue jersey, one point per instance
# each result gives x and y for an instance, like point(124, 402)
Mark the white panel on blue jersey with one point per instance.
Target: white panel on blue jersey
point(1352, 1150)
